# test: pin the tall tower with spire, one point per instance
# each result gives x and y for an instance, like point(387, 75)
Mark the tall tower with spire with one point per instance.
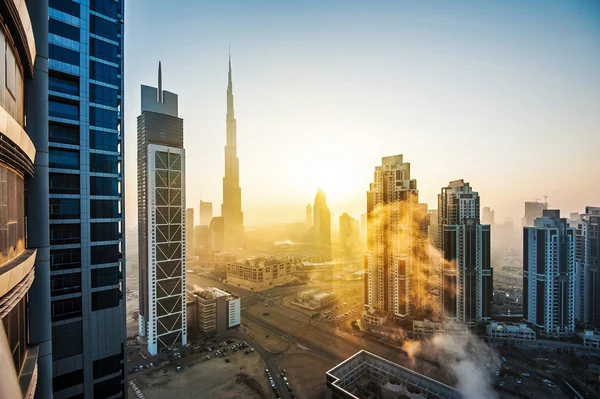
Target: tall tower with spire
point(231, 209)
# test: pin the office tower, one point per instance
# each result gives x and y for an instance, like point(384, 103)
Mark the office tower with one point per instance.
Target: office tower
point(86, 196)
point(231, 210)
point(189, 233)
point(217, 234)
point(309, 216)
point(467, 288)
point(349, 232)
point(24, 271)
point(206, 213)
point(587, 264)
point(161, 210)
point(396, 259)
point(574, 218)
point(487, 216)
point(533, 210)
point(201, 238)
point(548, 275)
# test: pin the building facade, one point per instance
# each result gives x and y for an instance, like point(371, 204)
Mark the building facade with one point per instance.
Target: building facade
point(321, 224)
point(161, 220)
point(214, 311)
point(397, 258)
point(258, 274)
point(231, 209)
point(509, 334)
point(549, 275)
point(24, 306)
point(466, 271)
point(533, 210)
point(349, 232)
point(206, 213)
point(587, 264)
point(217, 234)
point(86, 197)
point(487, 216)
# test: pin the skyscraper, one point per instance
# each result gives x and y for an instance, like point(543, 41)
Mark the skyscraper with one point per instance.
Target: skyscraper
point(86, 190)
point(349, 232)
point(587, 263)
point(161, 210)
point(309, 216)
point(206, 213)
point(321, 224)
point(533, 210)
point(25, 328)
point(549, 275)
point(467, 287)
point(396, 260)
point(189, 233)
point(231, 210)
point(487, 216)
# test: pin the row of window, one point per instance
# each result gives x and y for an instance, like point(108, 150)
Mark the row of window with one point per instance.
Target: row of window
point(68, 208)
point(11, 80)
point(62, 158)
point(63, 234)
point(65, 183)
point(70, 258)
point(98, 26)
point(69, 308)
point(69, 109)
point(69, 134)
point(62, 284)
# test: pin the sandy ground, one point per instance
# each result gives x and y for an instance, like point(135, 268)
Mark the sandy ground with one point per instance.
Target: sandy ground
point(244, 378)
point(306, 373)
point(271, 342)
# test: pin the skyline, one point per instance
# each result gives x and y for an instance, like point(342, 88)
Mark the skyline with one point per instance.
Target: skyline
point(410, 81)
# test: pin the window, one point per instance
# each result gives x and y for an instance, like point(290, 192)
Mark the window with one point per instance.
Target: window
point(105, 299)
point(104, 186)
point(107, 231)
point(103, 95)
point(104, 141)
point(105, 254)
point(64, 159)
point(62, 284)
point(61, 259)
point(103, 27)
point(16, 327)
point(108, 365)
point(62, 54)
point(66, 6)
point(105, 209)
point(63, 133)
point(63, 108)
point(109, 387)
point(105, 276)
point(63, 83)
point(111, 9)
point(62, 183)
point(65, 234)
point(102, 163)
point(64, 309)
point(104, 50)
point(103, 118)
point(12, 215)
point(11, 80)
point(62, 29)
point(64, 208)
point(104, 73)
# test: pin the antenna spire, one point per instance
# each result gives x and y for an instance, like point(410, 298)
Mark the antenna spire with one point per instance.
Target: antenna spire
point(160, 91)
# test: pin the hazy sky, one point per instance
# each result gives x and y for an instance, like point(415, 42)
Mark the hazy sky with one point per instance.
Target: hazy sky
point(504, 94)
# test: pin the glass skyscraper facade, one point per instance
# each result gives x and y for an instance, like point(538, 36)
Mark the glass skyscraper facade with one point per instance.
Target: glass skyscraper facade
point(86, 198)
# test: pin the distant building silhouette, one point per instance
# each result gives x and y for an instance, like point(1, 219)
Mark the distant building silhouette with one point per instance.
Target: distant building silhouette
point(487, 216)
point(231, 209)
point(309, 215)
point(217, 234)
point(206, 213)
point(322, 224)
point(533, 210)
point(349, 232)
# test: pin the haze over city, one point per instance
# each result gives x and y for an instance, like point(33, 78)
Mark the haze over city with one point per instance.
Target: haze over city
point(503, 94)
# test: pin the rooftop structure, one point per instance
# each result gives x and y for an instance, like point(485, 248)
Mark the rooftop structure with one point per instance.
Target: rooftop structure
point(366, 375)
point(512, 334)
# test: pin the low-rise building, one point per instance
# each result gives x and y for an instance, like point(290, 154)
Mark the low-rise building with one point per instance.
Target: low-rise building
point(510, 334)
point(374, 317)
point(366, 375)
point(212, 311)
point(590, 338)
point(427, 328)
point(259, 274)
point(314, 299)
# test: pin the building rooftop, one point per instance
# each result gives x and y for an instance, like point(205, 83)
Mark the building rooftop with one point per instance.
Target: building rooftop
point(322, 295)
point(511, 327)
point(209, 292)
point(360, 374)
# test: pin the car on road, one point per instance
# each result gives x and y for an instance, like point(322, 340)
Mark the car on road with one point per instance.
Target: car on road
point(179, 369)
